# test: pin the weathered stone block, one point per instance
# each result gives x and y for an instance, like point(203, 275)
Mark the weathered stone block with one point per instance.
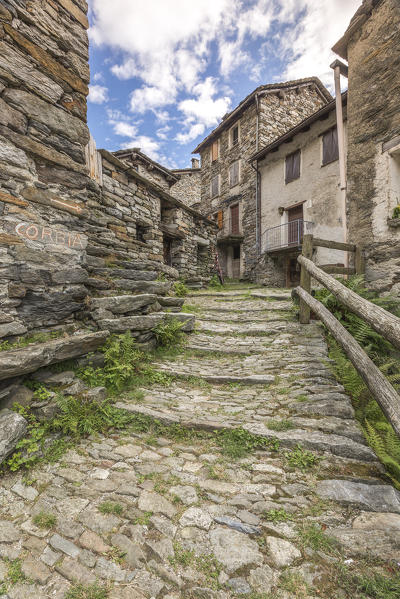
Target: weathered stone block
point(35, 356)
point(123, 303)
point(12, 428)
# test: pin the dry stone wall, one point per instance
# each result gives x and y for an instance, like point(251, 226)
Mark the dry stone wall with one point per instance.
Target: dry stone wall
point(373, 125)
point(188, 187)
point(66, 237)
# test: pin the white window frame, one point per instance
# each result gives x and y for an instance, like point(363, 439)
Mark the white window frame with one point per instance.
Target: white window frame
point(219, 186)
point(231, 144)
point(239, 173)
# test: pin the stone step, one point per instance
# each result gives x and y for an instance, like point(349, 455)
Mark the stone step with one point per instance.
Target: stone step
point(243, 317)
point(37, 355)
point(311, 440)
point(121, 304)
point(124, 273)
point(146, 322)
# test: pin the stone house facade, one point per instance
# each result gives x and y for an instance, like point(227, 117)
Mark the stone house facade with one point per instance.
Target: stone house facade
point(188, 187)
point(300, 193)
point(75, 224)
point(229, 185)
point(371, 45)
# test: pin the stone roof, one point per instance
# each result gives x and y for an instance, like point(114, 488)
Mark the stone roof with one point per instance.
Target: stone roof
point(300, 128)
point(136, 153)
point(360, 17)
point(270, 87)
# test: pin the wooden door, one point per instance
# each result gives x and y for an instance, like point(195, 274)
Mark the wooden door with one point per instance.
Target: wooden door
point(235, 219)
point(295, 228)
point(236, 251)
point(167, 250)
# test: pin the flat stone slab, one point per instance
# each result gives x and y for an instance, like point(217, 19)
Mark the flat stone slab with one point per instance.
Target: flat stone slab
point(123, 303)
point(374, 498)
point(32, 357)
point(12, 428)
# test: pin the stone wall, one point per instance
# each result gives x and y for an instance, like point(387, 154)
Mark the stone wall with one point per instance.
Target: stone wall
point(188, 188)
point(66, 237)
point(43, 177)
point(373, 165)
point(277, 114)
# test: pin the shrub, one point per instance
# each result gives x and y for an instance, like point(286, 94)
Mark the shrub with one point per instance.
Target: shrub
point(169, 332)
point(396, 212)
point(180, 289)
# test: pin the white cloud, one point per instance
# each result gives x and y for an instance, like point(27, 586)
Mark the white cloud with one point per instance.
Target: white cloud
point(98, 94)
point(306, 45)
point(202, 111)
point(162, 133)
point(146, 144)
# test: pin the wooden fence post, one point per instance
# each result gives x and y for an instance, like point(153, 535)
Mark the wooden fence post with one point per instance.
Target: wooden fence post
point(359, 262)
point(305, 279)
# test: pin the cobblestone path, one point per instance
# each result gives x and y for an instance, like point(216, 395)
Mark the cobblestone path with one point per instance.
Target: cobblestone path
point(156, 517)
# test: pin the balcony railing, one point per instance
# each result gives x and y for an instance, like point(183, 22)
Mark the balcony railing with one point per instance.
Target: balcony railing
point(286, 236)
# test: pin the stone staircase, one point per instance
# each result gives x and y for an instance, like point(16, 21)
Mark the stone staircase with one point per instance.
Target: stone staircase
point(175, 516)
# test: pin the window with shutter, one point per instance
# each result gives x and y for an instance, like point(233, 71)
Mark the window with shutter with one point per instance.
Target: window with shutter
point(235, 219)
point(215, 186)
point(235, 135)
point(292, 166)
point(220, 219)
point(214, 151)
point(330, 147)
point(234, 173)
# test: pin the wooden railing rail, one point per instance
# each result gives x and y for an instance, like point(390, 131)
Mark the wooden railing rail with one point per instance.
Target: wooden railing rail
point(385, 323)
point(379, 386)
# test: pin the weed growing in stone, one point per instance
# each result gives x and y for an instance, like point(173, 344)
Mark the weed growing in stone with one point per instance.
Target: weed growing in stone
point(237, 443)
point(276, 516)
point(116, 555)
point(44, 520)
point(365, 584)
point(109, 507)
point(301, 398)
point(36, 338)
point(280, 425)
point(301, 458)
point(313, 536)
point(144, 519)
point(294, 583)
point(93, 591)
point(14, 572)
point(169, 333)
point(180, 289)
point(191, 309)
point(204, 563)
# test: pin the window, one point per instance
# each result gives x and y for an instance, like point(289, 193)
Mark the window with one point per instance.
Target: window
point(235, 135)
point(234, 173)
point(292, 166)
point(236, 252)
point(235, 229)
point(140, 233)
point(330, 148)
point(215, 186)
point(214, 151)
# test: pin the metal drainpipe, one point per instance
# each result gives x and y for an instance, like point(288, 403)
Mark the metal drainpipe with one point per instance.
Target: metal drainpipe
point(341, 144)
point(257, 176)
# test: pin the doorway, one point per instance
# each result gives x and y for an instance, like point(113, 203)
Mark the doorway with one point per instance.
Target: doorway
point(295, 225)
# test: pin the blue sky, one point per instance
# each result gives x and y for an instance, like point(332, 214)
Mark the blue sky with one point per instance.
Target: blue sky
point(164, 72)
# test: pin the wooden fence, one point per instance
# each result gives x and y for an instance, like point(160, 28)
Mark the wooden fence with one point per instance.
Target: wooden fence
point(385, 323)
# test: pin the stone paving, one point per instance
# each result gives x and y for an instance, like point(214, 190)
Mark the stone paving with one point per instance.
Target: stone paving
point(145, 516)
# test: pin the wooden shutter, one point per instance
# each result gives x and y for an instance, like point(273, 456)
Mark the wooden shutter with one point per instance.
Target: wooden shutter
point(292, 166)
point(220, 219)
point(214, 151)
point(330, 147)
point(235, 219)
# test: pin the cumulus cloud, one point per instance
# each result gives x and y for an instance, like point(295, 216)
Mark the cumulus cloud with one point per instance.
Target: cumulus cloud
point(202, 111)
point(98, 94)
point(316, 26)
point(170, 48)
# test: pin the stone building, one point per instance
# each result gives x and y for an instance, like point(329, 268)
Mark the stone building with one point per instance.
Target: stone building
point(300, 193)
point(371, 45)
point(147, 167)
point(188, 186)
point(75, 224)
point(229, 184)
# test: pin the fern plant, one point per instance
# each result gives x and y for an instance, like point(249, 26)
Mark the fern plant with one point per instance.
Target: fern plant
point(169, 333)
point(377, 430)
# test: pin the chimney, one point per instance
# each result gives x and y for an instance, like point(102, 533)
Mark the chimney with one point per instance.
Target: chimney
point(195, 163)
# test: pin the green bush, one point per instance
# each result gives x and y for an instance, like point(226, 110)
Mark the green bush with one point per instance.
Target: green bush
point(169, 332)
point(215, 283)
point(122, 360)
point(396, 212)
point(180, 289)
